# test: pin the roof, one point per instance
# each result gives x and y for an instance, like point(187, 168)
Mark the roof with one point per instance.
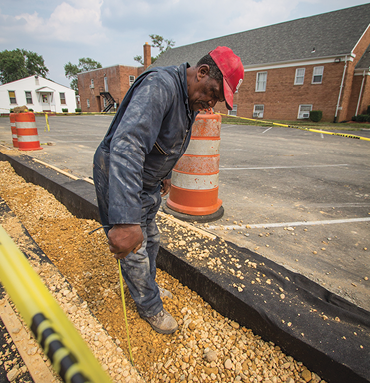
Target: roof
point(328, 34)
point(45, 89)
point(40, 77)
point(364, 62)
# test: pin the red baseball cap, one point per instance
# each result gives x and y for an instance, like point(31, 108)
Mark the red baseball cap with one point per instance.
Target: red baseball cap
point(232, 69)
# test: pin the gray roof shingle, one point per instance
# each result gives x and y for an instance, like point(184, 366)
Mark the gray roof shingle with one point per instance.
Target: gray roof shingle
point(331, 34)
point(364, 62)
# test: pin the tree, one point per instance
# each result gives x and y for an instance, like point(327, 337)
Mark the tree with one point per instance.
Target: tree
point(19, 63)
point(85, 64)
point(157, 42)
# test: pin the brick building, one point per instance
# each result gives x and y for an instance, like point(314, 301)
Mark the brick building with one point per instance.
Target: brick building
point(103, 89)
point(314, 63)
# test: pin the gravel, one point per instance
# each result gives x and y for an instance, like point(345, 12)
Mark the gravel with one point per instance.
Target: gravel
point(207, 347)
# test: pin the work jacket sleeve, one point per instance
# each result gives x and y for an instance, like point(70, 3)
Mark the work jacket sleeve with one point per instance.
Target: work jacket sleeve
point(135, 137)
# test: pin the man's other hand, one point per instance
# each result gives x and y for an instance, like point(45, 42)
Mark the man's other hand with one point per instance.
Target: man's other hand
point(165, 187)
point(122, 239)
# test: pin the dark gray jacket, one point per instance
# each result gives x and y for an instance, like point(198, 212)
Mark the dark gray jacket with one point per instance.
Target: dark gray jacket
point(148, 135)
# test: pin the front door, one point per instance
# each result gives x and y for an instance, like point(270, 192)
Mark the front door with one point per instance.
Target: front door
point(45, 101)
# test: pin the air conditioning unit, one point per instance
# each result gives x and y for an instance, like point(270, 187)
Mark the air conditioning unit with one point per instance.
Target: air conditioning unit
point(258, 114)
point(305, 115)
point(92, 86)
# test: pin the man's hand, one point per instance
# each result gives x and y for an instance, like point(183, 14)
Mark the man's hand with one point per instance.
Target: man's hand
point(166, 186)
point(123, 239)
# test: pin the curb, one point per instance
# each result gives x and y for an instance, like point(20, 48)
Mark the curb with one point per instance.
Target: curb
point(330, 335)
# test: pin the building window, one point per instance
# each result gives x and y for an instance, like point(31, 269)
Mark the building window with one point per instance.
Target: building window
point(92, 84)
point(88, 103)
point(258, 111)
point(318, 72)
point(131, 79)
point(106, 84)
point(62, 98)
point(12, 98)
point(299, 76)
point(234, 111)
point(28, 97)
point(304, 111)
point(261, 81)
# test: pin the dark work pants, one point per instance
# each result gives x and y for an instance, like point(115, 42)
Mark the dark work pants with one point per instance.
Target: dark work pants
point(138, 270)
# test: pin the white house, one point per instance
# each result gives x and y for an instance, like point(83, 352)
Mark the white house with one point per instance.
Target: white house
point(37, 93)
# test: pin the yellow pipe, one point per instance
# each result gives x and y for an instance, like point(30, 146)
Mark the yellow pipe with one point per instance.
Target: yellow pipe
point(44, 316)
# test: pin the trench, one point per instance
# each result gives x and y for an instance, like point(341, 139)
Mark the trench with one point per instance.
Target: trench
point(263, 322)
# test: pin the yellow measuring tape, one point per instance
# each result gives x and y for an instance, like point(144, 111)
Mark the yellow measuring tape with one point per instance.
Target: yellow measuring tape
point(124, 311)
point(301, 128)
point(69, 354)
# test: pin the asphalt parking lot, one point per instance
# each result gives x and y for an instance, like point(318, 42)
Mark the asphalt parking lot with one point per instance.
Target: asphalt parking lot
point(299, 198)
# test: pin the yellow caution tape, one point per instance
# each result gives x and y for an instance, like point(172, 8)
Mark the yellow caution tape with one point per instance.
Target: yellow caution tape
point(69, 354)
point(301, 128)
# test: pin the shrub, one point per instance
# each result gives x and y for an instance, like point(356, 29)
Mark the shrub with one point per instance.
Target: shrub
point(78, 110)
point(30, 110)
point(362, 117)
point(368, 110)
point(65, 110)
point(315, 115)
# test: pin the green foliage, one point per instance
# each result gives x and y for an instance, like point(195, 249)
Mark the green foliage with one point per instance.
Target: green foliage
point(157, 42)
point(78, 110)
point(72, 70)
point(368, 110)
point(361, 118)
point(19, 63)
point(315, 115)
point(65, 110)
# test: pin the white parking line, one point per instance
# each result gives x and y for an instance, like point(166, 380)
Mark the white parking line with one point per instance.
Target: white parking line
point(284, 167)
point(267, 130)
point(289, 224)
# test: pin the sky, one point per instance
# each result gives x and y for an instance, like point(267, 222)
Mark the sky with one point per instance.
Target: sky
point(113, 32)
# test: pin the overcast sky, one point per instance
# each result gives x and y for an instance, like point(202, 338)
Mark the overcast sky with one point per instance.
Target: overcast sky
point(114, 31)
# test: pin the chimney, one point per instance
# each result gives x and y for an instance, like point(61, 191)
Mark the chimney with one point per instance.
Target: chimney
point(147, 55)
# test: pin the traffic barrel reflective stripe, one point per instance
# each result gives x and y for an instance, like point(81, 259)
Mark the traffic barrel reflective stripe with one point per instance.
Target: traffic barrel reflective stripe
point(13, 128)
point(194, 189)
point(27, 131)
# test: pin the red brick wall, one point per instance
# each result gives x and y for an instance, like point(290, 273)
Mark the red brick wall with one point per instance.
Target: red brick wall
point(348, 93)
point(118, 85)
point(282, 98)
point(352, 104)
point(365, 99)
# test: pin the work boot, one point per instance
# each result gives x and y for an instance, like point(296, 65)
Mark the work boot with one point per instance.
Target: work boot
point(163, 322)
point(164, 293)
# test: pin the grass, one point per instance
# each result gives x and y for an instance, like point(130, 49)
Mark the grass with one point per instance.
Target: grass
point(322, 125)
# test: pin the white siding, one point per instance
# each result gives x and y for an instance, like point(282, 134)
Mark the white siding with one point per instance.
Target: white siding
point(31, 84)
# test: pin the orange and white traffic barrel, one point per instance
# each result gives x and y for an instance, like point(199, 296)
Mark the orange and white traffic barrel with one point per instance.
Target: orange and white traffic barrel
point(13, 128)
point(194, 189)
point(28, 138)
